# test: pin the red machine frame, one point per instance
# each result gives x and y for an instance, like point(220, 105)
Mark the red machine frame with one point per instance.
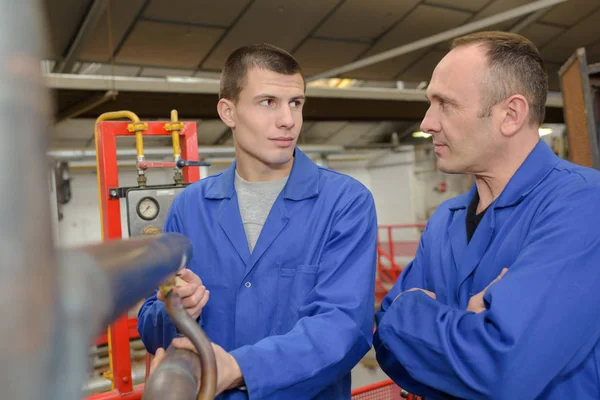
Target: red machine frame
point(386, 389)
point(388, 275)
point(119, 333)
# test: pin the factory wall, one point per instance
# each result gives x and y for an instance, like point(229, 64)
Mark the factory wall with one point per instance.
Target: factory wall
point(403, 186)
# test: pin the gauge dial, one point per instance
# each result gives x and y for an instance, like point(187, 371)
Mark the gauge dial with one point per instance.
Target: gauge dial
point(148, 208)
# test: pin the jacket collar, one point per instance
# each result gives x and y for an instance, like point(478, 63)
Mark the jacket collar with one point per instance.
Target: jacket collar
point(302, 183)
point(534, 169)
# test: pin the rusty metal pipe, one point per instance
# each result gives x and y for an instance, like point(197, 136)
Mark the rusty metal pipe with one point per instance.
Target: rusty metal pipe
point(190, 328)
point(176, 377)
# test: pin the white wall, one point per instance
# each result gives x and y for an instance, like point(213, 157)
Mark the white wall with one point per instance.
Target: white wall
point(392, 178)
point(427, 182)
point(356, 169)
point(402, 184)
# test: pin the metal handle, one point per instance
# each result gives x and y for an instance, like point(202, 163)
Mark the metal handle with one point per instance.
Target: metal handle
point(187, 163)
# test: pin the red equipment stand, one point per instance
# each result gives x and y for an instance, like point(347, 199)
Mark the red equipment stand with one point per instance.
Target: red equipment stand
point(384, 390)
point(120, 332)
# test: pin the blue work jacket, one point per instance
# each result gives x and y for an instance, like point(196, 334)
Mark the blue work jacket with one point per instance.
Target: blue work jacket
point(539, 335)
point(297, 314)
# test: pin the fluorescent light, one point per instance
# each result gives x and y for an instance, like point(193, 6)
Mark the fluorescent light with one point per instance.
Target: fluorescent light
point(420, 134)
point(333, 83)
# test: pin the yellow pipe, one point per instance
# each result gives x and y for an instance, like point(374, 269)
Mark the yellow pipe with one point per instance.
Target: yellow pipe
point(103, 117)
point(175, 134)
point(139, 144)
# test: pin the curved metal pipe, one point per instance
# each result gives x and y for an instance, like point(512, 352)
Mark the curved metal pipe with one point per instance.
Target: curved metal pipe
point(176, 377)
point(190, 328)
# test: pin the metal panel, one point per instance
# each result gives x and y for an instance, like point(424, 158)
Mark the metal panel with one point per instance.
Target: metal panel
point(211, 12)
point(467, 5)
point(123, 14)
point(571, 12)
point(317, 55)
point(593, 53)
point(64, 18)
point(424, 21)
point(168, 45)
point(422, 69)
point(541, 34)
point(579, 112)
point(364, 19)
point(583, 34)
point(284, 26)
point(387, 70)
point(499, 6)
point(72, 54)
point(440, 37)
point(137, 199)
point(553, 78)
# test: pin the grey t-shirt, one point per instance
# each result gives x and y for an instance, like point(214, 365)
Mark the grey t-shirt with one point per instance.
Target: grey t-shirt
point(255, 200)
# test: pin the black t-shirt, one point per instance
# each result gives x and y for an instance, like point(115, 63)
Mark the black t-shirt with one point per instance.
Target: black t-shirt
point(473, 219)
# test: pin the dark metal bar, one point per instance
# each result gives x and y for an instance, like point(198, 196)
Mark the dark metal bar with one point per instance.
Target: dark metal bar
point(89, 23)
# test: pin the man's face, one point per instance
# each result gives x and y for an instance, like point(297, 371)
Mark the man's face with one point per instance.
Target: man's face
point(465, 141)
point(267, 116)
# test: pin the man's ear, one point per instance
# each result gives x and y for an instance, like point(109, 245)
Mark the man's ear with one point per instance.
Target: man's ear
point(226, 110)
point(516, 116)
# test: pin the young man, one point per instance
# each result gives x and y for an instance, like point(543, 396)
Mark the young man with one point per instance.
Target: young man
point(286, 249)
point(529, 226)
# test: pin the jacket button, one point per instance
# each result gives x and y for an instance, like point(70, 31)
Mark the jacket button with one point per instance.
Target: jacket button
point(247, 284)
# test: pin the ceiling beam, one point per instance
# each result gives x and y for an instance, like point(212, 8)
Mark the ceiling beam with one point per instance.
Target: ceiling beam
point(530, 19)
point(89, 23)
point(194, 106)
point(95, 100)
point(139, 85)
point(438, 38)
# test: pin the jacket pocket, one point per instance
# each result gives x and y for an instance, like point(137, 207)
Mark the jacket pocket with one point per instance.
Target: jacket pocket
point(294, 285)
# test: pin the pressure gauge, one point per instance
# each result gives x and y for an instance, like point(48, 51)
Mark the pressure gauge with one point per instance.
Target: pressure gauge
point(148, 208)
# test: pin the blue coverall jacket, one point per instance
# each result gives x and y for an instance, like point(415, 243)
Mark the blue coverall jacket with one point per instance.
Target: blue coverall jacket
point(297, 314)
point(539, 335)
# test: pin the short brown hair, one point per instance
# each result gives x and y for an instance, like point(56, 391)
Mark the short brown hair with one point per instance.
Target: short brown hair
point(244, 58)
point(515, 67)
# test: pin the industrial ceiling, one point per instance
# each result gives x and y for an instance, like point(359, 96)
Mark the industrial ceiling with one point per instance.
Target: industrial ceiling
point(367, 61)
